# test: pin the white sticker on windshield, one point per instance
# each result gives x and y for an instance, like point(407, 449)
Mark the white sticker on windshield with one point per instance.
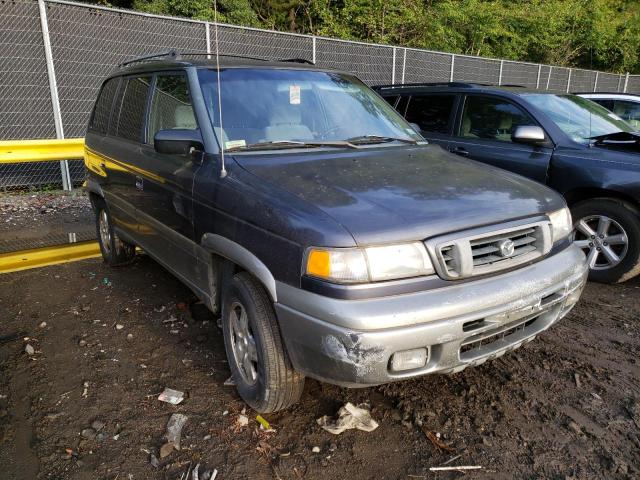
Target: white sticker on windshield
point(294, 94)
point(235, 144)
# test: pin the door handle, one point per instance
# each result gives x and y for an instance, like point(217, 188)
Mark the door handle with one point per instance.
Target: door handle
point(459, 151)
point(139, 183)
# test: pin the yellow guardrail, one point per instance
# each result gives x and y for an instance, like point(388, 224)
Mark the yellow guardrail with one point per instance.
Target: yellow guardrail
point(16, 151)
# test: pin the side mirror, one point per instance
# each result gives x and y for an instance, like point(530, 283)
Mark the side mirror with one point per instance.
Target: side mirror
point(416, 127)
point(177, 141)
point(529, 135)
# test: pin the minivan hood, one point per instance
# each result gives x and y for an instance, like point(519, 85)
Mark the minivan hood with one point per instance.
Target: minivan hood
point(401, 194)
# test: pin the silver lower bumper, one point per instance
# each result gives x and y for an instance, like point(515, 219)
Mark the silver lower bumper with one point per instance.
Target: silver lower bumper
point(351, 342)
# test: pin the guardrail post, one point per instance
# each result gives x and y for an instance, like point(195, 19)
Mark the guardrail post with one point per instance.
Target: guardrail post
point(453, 61)
point(500, 74)
point(53, 88)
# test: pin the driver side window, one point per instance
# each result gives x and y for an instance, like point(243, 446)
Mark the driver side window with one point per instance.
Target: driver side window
point(171, 106)
point(491, 118)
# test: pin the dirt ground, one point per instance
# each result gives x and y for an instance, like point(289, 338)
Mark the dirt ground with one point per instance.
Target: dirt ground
point(108, 341)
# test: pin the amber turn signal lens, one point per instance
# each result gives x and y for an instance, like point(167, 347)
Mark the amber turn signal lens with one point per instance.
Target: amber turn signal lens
point(319, 263)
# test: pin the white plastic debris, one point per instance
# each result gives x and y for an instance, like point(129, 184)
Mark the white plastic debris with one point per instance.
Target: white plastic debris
point(169, 395)
point(174, 429)
point(349, 416)
point(242, 420)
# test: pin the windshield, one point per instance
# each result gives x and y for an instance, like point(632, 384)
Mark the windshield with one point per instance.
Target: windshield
point(578, 117)
point(277, 106)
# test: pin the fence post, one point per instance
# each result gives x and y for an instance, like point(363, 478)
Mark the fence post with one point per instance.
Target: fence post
point(207, 36)
point(404, 64)
point(569, 80)
point(53, 89)
point(313, 46)
point(549, 76)
point(538, 79)
point(595, 82)
point(453, 61)
point(393, 67)
point(500, 74)
point(626, 82)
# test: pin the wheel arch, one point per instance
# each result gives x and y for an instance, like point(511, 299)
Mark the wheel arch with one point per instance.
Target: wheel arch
point(242, 258)
point(591, 193)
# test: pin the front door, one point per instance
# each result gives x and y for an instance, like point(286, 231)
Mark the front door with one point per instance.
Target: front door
point(483, 133)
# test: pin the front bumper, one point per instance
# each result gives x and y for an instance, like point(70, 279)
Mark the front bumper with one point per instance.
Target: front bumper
point(351, 342)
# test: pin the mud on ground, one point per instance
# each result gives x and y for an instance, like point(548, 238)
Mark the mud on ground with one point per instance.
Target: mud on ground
point(107, 341)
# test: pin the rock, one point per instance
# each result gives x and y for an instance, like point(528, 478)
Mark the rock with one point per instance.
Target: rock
point(575, 427)
point(315, 449)
point(88, 433)
point(82, 343)
point(119, 326)
point(129, 337)
point(43, 325)
point(97, 425)
point(101, 437)
point(153, 460)
point(29, 349)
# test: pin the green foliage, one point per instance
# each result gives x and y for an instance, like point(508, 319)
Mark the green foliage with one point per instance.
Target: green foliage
point(599, 34)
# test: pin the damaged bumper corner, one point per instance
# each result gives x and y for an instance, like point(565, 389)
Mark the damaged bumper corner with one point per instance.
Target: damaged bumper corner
point(351, 342)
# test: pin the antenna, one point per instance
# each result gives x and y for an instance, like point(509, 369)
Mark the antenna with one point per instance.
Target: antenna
point(223, 170)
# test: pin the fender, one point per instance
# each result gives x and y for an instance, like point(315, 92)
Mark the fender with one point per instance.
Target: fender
point(241, 256)
point(94, 187)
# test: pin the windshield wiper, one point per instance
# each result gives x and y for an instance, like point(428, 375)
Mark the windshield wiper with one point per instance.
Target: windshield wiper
point(280, 144)
point(379, 139)
point(617, 137)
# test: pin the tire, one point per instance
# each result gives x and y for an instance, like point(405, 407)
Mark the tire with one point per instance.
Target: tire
point(259, 363)
point(614, 220)
point(115, 251)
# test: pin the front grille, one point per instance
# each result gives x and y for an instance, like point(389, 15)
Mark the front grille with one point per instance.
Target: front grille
point(487, 251)
point(487, 342)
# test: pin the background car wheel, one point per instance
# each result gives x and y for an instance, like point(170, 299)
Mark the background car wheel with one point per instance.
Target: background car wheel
point(115, 251)
point(608, 231)
point(259, 363)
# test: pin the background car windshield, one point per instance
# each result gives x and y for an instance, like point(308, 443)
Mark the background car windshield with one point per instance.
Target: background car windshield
point(264, 105)
point(578, 117)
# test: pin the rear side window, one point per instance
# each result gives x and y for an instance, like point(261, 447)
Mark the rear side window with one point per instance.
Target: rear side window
point(629, 111)
point(132, 109)
point(492, 118)
point(102, 111)
point(171, 105)
point(431, 112)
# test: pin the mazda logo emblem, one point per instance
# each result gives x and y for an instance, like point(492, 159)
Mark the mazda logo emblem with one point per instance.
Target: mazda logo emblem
point(506, 247)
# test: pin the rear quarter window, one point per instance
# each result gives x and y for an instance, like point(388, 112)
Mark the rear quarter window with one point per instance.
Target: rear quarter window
point(99, 122)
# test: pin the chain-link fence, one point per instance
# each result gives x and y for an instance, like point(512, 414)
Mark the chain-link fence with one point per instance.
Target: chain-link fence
point(54, 55)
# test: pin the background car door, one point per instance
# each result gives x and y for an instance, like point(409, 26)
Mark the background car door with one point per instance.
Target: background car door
point(165, 182)
point(434, 114)
point(483, 133)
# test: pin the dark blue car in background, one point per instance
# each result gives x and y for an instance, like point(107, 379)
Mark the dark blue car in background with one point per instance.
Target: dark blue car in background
point(570, 143)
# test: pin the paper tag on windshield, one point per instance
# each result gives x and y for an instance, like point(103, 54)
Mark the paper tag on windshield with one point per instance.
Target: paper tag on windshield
point(294, 94)
point(235, 143)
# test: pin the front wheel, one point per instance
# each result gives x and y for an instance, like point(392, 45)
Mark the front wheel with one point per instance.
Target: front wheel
point(608, 231)
point(259, 363)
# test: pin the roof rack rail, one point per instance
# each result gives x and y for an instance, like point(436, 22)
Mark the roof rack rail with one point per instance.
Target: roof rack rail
point(445, 84)
point(176, 55)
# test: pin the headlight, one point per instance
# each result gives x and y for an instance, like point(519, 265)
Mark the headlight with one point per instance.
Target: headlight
point(561, 225)
point(372, 264)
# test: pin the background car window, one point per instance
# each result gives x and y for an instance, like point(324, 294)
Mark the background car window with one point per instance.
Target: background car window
point(629, 111)
point(491, 118)
point(392, 100)
point(171, 105)
point(431, 112)
point(134, 101)
point(104, 105)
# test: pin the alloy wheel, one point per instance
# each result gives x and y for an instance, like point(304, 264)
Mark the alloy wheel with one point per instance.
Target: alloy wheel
point(242, 343)
point(105, 231)
point(603, 240)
